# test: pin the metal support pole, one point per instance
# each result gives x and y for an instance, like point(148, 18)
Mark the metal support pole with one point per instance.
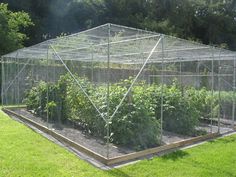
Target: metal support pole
point(108, 90)
point(10, 84)
point(198, 82)
point(136, 77)
point(212, 88)
point(219, 96)
point(92, 74)
point(143, 58)
point(18, 82)
point(181, 81)
point(77, 81)
point(47, 81)
point(234, 82)
point(14, 88)
point(180, 72)
point(162, 84)
point(3, 83)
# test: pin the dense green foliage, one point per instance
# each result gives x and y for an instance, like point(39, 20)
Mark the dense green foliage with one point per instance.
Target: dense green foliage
point(137, 121)
point(66, 101)
point(208, 21)
point(12, 26)
point(179, 113)
point(12, 30)
point(49, 98)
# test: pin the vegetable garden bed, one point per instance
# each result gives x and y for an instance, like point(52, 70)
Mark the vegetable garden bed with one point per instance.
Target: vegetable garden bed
point(96, 147)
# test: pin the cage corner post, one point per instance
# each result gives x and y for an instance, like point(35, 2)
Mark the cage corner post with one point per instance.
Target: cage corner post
point(108, 92)
point(2, 82)
point(219, 93)
point(212, 89)
point(162, 86)
point(47, 81)
point(92, 64)
point(18, 82)
point(234, 83)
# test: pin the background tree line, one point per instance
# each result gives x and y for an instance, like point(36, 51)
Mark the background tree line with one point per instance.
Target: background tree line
point(206, 21)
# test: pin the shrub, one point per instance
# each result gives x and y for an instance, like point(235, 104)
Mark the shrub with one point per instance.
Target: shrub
point(134, 124)
point(179, 115)
point(57, 93)
point(36, 98)
point(82, 110)
point(202, 100)
point(56, 103)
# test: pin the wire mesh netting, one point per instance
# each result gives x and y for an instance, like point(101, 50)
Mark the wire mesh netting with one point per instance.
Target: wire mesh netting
point(116, 90)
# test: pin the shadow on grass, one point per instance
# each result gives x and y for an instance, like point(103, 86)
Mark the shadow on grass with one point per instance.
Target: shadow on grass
point(172, 156)
point(231, 139)
point(175, 155)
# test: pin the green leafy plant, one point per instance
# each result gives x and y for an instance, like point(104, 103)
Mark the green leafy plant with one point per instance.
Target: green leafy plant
point(136, 123)
point(179, 115)
point(51, 108)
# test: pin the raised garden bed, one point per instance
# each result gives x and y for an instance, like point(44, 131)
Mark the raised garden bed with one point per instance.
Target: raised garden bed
point(97, 148)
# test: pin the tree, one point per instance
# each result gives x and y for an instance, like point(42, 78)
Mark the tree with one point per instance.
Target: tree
point(207, 21)
point(12, 28)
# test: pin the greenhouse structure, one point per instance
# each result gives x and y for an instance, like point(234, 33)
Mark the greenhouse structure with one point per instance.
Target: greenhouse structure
point(118, 93)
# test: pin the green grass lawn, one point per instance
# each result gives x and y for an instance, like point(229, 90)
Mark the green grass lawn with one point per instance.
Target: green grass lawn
point(26, 153)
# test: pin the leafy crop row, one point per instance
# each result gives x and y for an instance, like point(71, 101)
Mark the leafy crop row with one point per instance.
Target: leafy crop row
point(137, 121)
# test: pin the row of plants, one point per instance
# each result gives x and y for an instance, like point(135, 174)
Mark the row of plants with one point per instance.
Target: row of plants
point(137, 121)
point(134, 124)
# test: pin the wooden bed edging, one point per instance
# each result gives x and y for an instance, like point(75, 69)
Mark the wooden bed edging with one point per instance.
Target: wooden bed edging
point(60, 137)
point(155, 150)
point(119, 159)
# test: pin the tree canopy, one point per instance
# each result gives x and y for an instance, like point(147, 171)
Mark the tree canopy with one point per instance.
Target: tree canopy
point(206, 21)
point(12, 28)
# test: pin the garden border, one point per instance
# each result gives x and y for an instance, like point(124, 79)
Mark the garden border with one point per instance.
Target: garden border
point(119, 159)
